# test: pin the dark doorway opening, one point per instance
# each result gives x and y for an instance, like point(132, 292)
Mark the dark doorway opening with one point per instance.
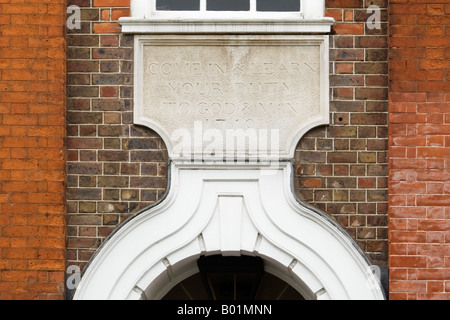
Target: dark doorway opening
point(232, 278)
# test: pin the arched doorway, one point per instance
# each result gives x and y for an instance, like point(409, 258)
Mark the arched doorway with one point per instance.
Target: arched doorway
point(230, 212)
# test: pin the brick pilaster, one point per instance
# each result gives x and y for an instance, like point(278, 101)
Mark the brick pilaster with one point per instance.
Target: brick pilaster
point(32, 156)
point(419, 150)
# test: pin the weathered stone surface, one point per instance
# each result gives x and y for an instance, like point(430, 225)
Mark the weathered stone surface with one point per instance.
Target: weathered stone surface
point(200, 93)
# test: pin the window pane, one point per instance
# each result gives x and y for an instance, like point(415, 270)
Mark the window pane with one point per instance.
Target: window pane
point(177, 5)
point(278, 5)
point(228, 5)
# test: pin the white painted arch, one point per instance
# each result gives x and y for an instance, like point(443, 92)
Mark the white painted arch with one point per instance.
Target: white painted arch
point(243, 210)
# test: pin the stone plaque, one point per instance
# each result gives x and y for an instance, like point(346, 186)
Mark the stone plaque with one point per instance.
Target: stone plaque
point(231, 96)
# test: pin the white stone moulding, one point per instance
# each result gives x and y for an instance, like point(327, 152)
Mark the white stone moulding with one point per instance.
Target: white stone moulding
point(210, 84)
point(229, 210)
point(221, 26)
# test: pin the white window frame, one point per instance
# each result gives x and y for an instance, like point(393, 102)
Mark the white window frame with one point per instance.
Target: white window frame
point(221, 15)
point(145, 19)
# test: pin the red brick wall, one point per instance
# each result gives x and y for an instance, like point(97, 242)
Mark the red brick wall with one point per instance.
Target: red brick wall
point(32, 130)
point(419, 149)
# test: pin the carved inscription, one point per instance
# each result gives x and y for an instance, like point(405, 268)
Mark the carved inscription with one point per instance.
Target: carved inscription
point(223, 87)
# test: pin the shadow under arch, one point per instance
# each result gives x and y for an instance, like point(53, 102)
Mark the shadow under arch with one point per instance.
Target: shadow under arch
point(242, 278)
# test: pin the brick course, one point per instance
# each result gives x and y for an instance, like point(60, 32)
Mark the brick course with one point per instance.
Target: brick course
point(32, 156)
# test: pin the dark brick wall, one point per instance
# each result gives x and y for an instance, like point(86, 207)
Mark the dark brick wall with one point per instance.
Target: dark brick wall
point(116, 168)
point(342, 169)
